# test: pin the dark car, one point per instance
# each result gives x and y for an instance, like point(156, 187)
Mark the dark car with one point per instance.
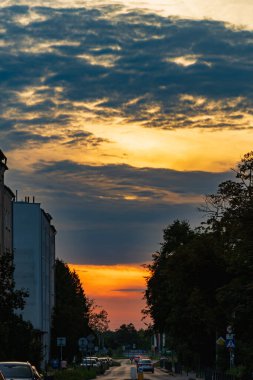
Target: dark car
point(19, 371)
point(145, 365)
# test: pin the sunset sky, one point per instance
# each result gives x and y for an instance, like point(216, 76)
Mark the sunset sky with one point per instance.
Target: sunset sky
point(119, 116)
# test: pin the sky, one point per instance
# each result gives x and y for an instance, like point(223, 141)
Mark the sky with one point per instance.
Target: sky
point(119, 117)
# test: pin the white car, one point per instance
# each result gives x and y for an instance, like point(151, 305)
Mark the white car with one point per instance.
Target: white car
point(145, 365)
point(19, 371)
point(90, 362)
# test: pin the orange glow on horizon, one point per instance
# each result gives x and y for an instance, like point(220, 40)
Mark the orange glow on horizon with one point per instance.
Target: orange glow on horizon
point(119, 289)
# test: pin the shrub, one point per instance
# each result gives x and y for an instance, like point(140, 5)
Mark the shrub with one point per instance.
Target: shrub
point(75, 374)
point(115, 363)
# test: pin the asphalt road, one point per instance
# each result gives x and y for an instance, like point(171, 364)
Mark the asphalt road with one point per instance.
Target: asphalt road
point(124, 373)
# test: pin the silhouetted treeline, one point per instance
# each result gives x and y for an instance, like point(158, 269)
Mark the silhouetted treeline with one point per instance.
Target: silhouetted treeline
point(201, 280)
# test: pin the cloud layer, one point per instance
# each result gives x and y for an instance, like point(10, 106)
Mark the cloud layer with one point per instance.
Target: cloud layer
point(160, 72)
point(86, 93)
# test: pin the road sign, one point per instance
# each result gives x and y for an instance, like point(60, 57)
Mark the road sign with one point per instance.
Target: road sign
point(220, 341)
point(82, 342)
point(61, 341)
point(230, 343)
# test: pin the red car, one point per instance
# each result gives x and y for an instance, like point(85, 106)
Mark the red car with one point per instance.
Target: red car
point(137, 359)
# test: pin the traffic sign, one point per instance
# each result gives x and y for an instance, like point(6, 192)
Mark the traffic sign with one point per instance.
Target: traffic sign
point(61, 341)
point(220, 341)
point(82, 342)
point(230, 344)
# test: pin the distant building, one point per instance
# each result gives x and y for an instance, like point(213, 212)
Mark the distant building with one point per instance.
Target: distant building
point(34, 259)
point(6, 198)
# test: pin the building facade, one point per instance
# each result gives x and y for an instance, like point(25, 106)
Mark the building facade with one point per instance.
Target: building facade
point(6, 201)
point(34, 259)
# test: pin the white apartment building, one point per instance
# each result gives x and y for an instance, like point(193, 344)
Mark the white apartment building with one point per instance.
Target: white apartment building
point(34, 259)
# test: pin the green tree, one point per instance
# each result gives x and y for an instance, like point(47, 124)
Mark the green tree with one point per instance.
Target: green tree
point(230, 214)
point(201, 281)
point(19, 340)
point(98, 322)
point(10, 298)
point(126, 335)
point(181, 293)
point(70, 317)
point(175, 235)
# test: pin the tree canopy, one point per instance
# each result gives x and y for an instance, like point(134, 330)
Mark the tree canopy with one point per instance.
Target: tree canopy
point(70, 319)
point(19, 340)
point(200, 281)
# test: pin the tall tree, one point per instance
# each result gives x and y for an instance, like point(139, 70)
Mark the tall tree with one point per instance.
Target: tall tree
point(175, 235)
point(127, 335)
point(19, 340)
point(230, 214)
point(181, 295)
point(10, 298)
point(70, 318)
point(98, 321)
point(201, 282)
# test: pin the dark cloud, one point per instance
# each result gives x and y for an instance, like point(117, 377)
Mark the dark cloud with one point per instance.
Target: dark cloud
point(128, 177)
point(96, 54)
point(97, 223)
point(84, 138)
point(19, 139)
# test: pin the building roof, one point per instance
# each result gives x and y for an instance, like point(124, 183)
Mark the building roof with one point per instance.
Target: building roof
point(7, 189)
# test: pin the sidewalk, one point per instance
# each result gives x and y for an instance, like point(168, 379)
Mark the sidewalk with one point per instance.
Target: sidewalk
point(180, 376)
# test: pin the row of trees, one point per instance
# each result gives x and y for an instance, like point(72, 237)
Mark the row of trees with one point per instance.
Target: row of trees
point(75, 316)
point(200, 281)
point(127, 337)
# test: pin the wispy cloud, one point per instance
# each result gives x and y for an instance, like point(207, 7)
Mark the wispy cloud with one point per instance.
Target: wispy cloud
point(130, 290)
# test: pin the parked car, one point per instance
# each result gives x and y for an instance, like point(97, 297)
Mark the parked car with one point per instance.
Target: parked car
point(37, 375)
point(104, 362)
point(19, 370)
point(145, 365)
point(90, 362)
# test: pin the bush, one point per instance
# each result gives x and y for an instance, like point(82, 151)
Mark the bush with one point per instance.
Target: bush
point(239, 372)
point(115, 363)
point(75, 374)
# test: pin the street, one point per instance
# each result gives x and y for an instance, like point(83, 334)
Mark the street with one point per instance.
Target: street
point(124, 373)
